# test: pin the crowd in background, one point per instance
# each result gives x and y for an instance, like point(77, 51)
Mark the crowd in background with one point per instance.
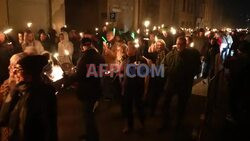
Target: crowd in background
point(28, 103)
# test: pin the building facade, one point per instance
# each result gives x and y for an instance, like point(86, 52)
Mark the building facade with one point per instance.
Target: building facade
point(126, 14)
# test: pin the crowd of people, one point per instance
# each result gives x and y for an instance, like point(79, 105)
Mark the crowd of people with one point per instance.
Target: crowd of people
point(28, 99)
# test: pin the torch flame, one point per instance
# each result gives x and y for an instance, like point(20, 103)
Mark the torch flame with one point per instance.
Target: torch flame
point(29, 24)
point(146, 23)
point(7, 31)
point(56, 55)
point(173, 30)
point(66, 52)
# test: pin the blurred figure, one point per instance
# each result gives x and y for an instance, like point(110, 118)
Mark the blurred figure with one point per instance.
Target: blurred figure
point(65, 49)
point(201, 43)
point(89, 88)
point(156, 84)
point(30, 108)
point(8, 85)
point(20, 36)
point(7, 49)
point(239, 98)
point(181, 65)
point(214, 49)
point(29, 41)
point(133, 91)
point(43, 38)
point(169, 40)
point(75, 38)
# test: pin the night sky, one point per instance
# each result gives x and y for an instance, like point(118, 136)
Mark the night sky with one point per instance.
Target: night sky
point(237, 12)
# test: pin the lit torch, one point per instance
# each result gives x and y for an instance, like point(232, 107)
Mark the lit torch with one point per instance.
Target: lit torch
point(173, 30)
point(29, 24)
point(7, 31)
point(146, 23)
point(192, 44)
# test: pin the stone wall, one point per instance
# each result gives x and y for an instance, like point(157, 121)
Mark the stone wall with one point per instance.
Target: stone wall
point(3, 15)
point(23, 11)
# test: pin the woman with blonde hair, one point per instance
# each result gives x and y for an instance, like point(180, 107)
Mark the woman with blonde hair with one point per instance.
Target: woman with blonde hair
point(8, 84)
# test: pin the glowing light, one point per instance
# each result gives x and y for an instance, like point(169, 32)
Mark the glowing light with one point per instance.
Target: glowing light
point(138, 31)
point(229, 30)
point(207, 33)
point(56, 55)
point(192, 44)
point(65, 26)
point(136, 41)
point(104, 40)
point(133, 35)
point(154, 28)
point(162, 26)
point(159, 27)
point(81, 34)
point(164, 31)
point(107, 23)
point(146, 23)
point(29, 24)
point(156, 38)
point(214, 30)
point(173, 30)
point(7, 31)
point(56, 74)
point(66, 52)
point(96, 29)
point(114, 30)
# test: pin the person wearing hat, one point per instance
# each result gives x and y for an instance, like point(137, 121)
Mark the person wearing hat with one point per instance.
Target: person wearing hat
point(89, 89)
point(30, 108)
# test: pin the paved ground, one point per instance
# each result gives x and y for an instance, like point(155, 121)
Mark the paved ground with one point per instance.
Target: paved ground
point(110, 123)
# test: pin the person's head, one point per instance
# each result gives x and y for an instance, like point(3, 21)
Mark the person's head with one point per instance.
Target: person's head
point(43, 37)
point(131, 50)
point(181, 43)
point(61, 37)
point(32, 67)
point(201, 32)
point(165, 33)
point(2, 37)
point(29, 36)
point(151, 36)
point(110, 36)
point(160, 45)
point(86, 43)
point(213, 41)
point(189, 40)
point(13, 67)
point(118, 38)
point(20, 37)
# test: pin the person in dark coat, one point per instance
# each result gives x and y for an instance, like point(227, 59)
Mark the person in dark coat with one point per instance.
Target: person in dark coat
point(133, 91)
point(214, 49)
point(181, 65)
point(89, 89)
point(30, 108)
